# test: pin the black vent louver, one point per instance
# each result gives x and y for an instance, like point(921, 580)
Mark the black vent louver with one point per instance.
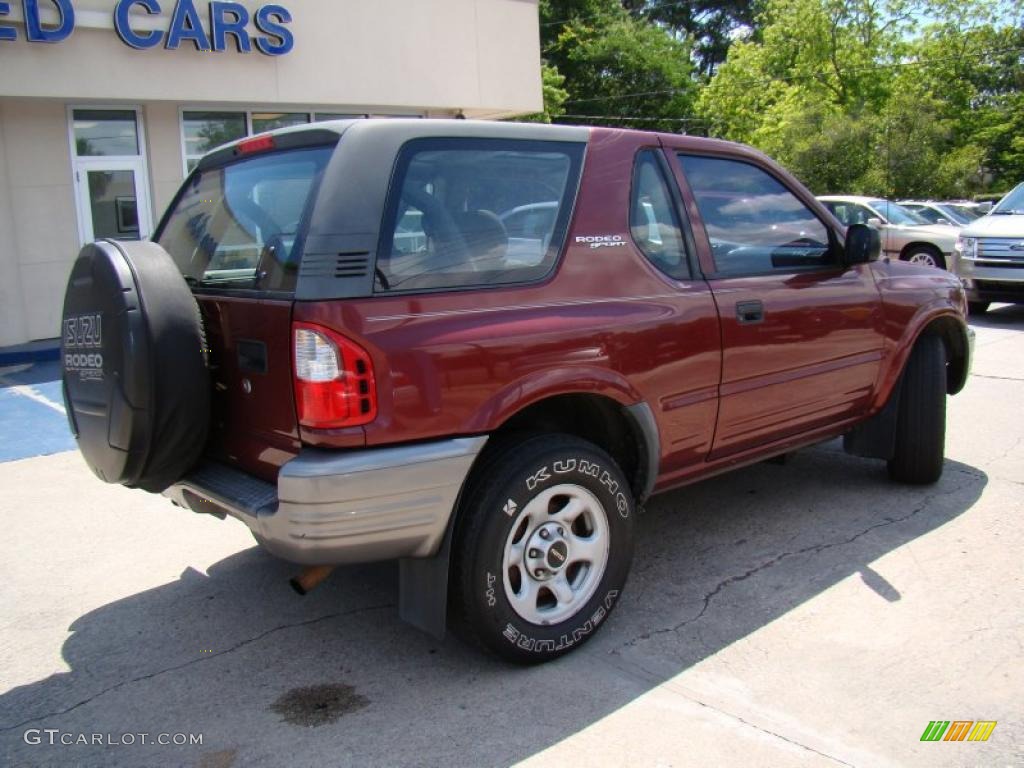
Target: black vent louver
point(354, 264)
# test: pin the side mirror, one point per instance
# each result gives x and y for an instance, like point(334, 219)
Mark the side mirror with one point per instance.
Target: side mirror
point(875, 222)
point(863, 244)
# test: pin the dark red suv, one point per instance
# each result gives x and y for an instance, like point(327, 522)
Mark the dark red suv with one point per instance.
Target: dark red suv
point(477, 347)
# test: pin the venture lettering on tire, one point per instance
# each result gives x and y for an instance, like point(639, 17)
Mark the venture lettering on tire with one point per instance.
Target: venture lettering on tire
point(544, 546)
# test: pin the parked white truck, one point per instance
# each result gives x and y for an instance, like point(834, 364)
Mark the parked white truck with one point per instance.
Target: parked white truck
point(989, 255)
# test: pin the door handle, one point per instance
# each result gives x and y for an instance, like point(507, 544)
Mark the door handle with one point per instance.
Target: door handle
point(749, 312)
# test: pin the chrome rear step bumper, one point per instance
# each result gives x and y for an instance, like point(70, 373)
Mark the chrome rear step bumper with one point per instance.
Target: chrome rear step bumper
point(336, 507)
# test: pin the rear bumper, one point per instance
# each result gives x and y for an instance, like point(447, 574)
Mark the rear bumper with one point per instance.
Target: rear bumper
point(332, 507)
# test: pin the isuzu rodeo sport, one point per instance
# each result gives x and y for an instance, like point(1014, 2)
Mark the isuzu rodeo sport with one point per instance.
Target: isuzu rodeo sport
point(477, 347)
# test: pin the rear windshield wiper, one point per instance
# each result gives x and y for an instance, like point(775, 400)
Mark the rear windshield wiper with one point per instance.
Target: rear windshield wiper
point(1009, 212)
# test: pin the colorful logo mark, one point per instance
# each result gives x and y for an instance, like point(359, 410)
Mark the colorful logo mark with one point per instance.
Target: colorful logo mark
point(958, 730)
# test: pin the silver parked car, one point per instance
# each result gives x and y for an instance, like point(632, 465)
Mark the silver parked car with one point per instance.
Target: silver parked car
point(949, 214)
point(905, 235)
point(989, 256)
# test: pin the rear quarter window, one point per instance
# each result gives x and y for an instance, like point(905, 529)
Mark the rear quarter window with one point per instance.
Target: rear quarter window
point(239, 226)
point(464, 213)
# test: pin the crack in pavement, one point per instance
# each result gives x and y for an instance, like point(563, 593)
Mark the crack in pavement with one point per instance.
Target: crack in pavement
point(770, 732)
point(813, 549)
point(999, 378)
point(232, 649)
point(654, 679)
point(1006, 454)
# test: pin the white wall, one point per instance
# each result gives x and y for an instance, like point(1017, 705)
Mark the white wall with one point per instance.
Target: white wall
point(481, 56)
point(432, 57)
point(12, 308)
point(40, 231)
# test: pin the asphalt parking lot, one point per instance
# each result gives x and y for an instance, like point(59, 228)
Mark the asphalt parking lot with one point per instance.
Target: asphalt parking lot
point(808, 613)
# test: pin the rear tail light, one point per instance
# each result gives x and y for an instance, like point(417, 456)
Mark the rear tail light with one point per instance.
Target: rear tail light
point(334, 384)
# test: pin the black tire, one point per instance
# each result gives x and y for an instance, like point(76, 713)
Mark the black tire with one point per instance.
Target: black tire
point(977, 307)
point(493, 514)
point(136, 384)
point(925, 255)
point(921, 422)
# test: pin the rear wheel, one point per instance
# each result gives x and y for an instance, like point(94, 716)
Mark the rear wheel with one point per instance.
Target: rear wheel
point(977, 307)
point(921, 421)
point(544, 546)
point(925, 256)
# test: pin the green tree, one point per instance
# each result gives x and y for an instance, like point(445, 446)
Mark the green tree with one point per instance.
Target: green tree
point(552, 82)
point(618, 69)
point(976, 79)
point(712, 25)
point(854, 98)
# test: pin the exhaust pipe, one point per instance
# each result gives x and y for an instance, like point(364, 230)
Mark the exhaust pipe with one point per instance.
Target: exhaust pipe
point(310, 578)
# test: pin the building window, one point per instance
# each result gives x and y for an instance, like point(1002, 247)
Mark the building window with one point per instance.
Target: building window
point(269, 121)
point(205, 130)
point(322, 117)
point(109, 172)
point(106, 132)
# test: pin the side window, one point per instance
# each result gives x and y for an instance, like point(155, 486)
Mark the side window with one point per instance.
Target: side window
point(849, 213)
point(653, 220)
point(754, 223)
point(928, 214)
point(466, 212)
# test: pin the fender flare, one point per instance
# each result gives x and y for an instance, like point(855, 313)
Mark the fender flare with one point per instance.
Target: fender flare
point(541, 385)
point(929, 313)
point(423, 582)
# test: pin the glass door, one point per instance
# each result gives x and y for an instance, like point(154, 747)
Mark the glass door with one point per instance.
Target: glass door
point(110, 175)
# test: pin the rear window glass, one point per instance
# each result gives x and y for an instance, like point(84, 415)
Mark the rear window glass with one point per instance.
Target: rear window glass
point(476, 212)
point(238, 226)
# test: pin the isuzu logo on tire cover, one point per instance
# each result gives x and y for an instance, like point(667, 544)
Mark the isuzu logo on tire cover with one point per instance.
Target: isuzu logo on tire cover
point(84, 332)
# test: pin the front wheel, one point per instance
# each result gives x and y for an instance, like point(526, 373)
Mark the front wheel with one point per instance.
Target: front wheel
point(544, 546)
point(926, 257)
point(921, 422)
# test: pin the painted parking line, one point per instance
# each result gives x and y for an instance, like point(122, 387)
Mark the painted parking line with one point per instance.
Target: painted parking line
point(32, 418)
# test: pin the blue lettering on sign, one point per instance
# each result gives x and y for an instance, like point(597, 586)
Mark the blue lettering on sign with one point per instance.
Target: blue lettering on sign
point(7, 32)
point(186, 25)
point(221, 25)
point(228, 19)
point(270, 20)
point(34, 30)
point(126, 33)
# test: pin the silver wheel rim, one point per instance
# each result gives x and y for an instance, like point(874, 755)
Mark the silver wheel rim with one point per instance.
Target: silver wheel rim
point(555, 554)
point(923, 257)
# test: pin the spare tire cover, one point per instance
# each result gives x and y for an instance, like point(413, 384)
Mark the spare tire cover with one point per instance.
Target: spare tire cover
point(133, 352)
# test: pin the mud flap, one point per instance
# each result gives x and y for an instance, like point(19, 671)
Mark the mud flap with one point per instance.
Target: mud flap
point(423, 588)
point(876, 437)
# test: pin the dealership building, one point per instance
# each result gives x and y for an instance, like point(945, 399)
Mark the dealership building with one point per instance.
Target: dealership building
point(105, 105)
